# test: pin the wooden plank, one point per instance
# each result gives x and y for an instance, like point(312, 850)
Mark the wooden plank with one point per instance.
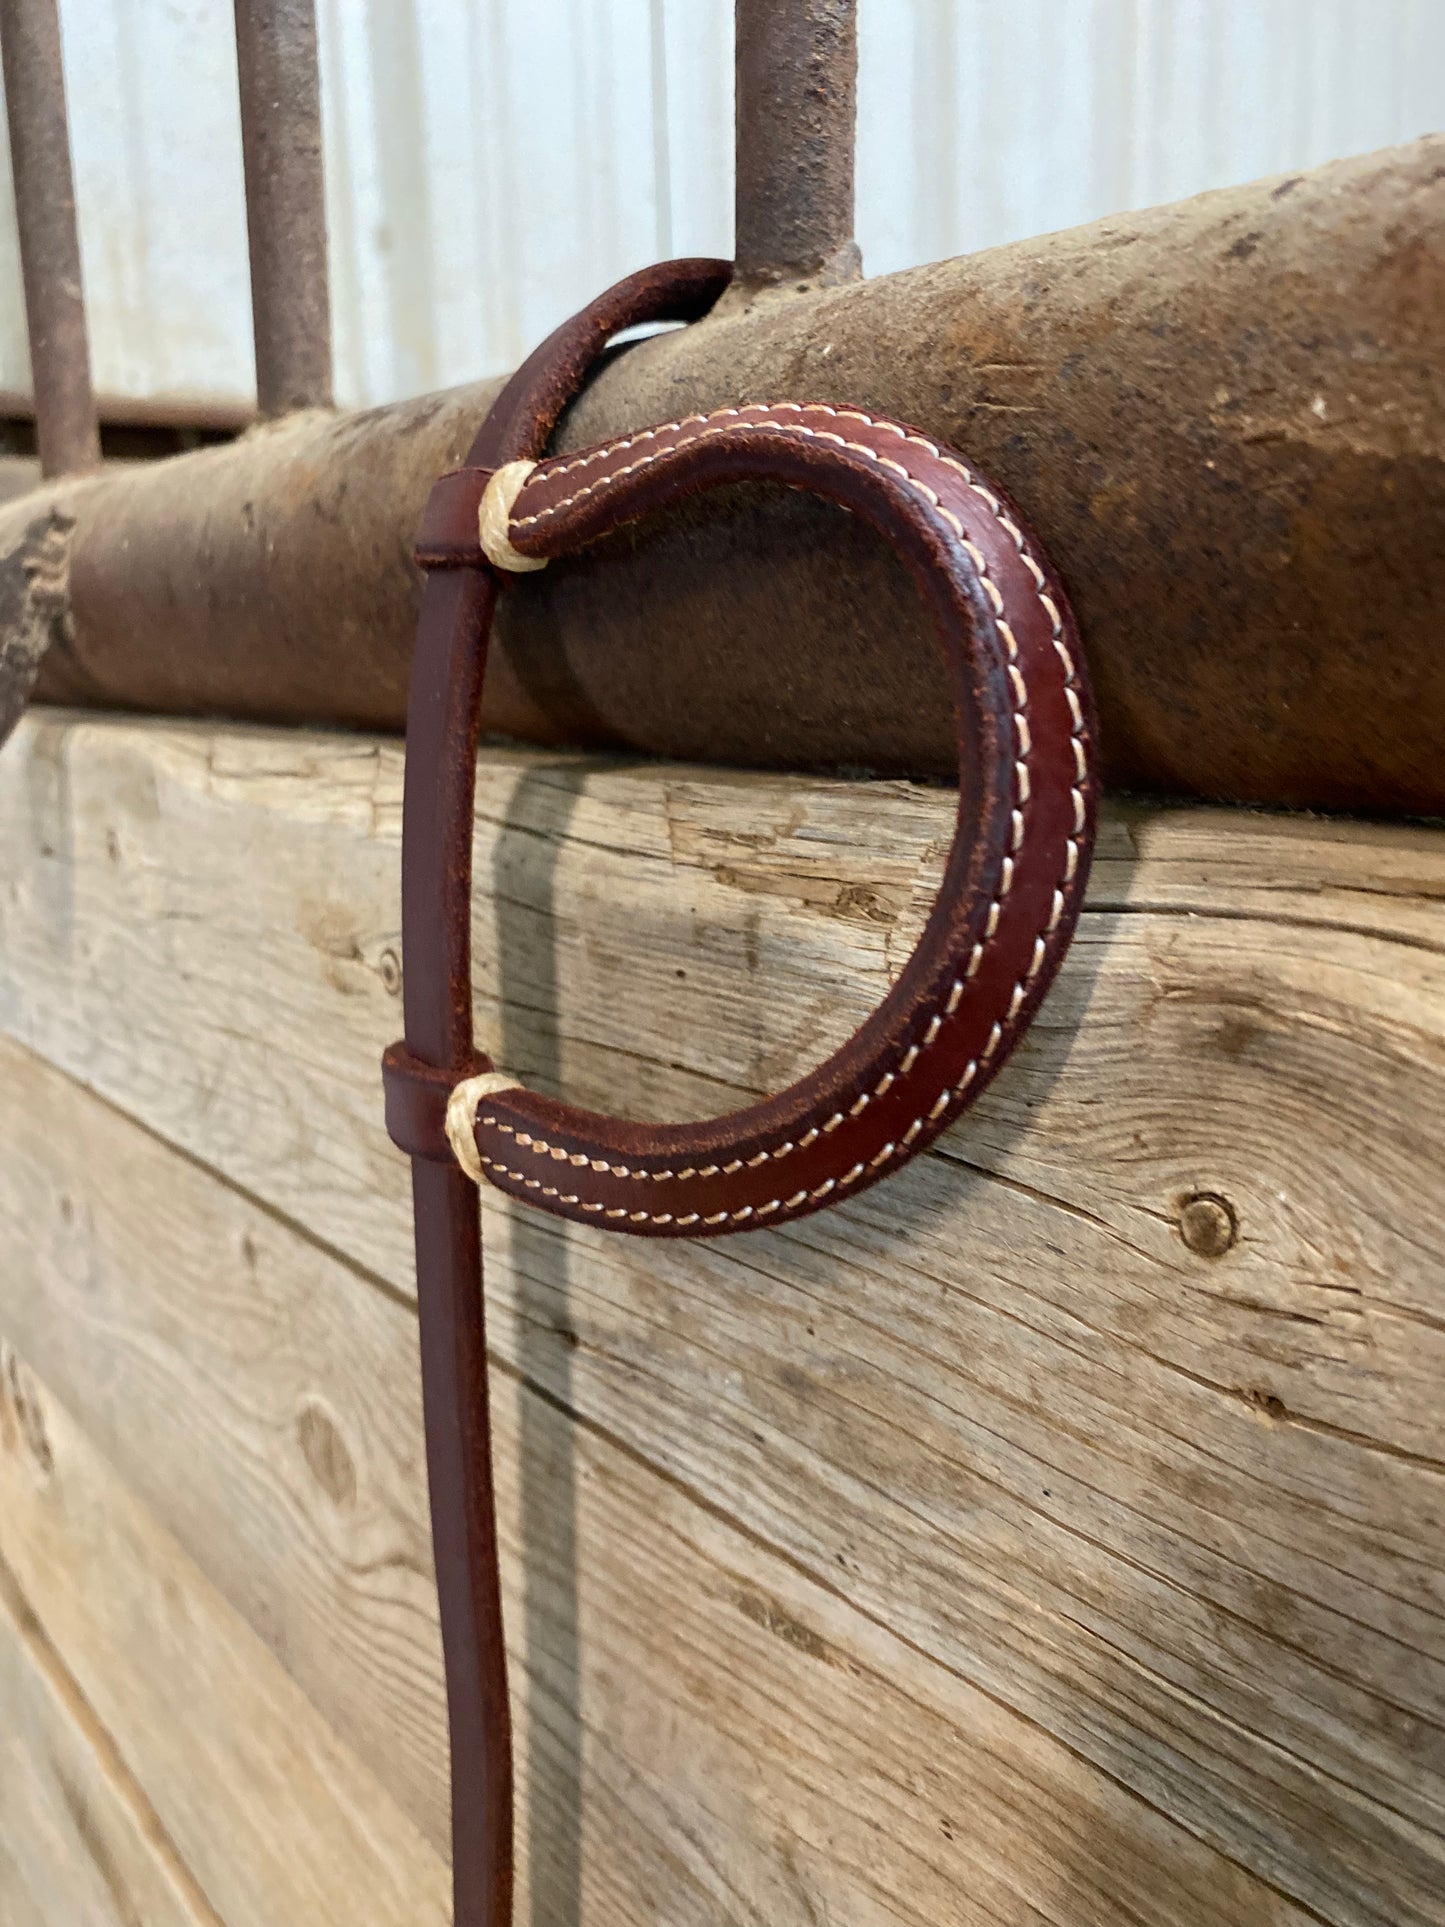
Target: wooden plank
point(78, 1841)
point(253, 1014)
point(275, 1820)
point(704, 1733)
point(263, 1409)
point(1177, 1506)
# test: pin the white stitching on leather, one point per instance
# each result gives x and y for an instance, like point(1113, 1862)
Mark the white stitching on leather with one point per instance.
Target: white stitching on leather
point(1016, 997)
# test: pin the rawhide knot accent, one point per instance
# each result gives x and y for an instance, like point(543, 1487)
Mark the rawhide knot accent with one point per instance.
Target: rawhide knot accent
point(494, 519)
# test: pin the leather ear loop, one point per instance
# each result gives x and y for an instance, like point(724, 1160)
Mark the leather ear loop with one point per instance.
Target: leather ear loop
point(1014, 878)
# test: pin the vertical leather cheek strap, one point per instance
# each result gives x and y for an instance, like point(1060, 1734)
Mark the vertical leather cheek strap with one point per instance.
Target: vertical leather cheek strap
point(1000, 925)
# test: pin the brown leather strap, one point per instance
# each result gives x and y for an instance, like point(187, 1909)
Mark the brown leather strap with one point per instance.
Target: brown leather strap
point(1001, 923)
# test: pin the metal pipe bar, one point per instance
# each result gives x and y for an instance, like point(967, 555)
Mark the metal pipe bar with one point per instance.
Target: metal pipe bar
point(181, 414)
point(285, 202)
point(65, 421)
point(797, 112)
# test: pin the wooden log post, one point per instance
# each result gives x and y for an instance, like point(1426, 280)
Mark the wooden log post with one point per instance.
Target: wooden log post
point(1223, 417)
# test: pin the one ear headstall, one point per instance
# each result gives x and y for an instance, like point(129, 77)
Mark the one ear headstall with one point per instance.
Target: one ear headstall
point(1000, 925)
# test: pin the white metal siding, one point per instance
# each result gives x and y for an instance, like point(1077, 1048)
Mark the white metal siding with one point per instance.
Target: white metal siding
point(492, 163)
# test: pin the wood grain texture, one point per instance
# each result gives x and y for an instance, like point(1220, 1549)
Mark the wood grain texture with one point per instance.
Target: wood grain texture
point(1119, 1412)
point(788, 1759)
point(79, 1843)
point(272, 1817)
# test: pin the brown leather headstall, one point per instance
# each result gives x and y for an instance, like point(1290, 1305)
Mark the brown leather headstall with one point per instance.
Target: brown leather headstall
point(1000, 925)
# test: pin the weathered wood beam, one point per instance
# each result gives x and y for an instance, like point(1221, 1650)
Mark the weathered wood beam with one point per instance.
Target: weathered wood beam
point(264, 1816)
point(74, 1843)
point(1095, 1460)
point(693, 1713)
point(1224, 417)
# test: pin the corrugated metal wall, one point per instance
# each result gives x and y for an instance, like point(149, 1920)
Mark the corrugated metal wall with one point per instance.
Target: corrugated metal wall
point(494, 162)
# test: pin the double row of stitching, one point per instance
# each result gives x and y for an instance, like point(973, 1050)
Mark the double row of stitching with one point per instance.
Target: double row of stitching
point(740, 1216)
point(912, 1055)
point(723, 421)
point(727, 418)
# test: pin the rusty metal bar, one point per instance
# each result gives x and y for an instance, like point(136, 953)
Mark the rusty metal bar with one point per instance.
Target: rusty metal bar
point(181, 414)
point(797, 110)
point(65, 419)
point(285, 202)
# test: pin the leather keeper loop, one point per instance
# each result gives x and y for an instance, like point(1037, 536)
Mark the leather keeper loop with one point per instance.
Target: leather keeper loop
point(417, 1095)
point(448, 537)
